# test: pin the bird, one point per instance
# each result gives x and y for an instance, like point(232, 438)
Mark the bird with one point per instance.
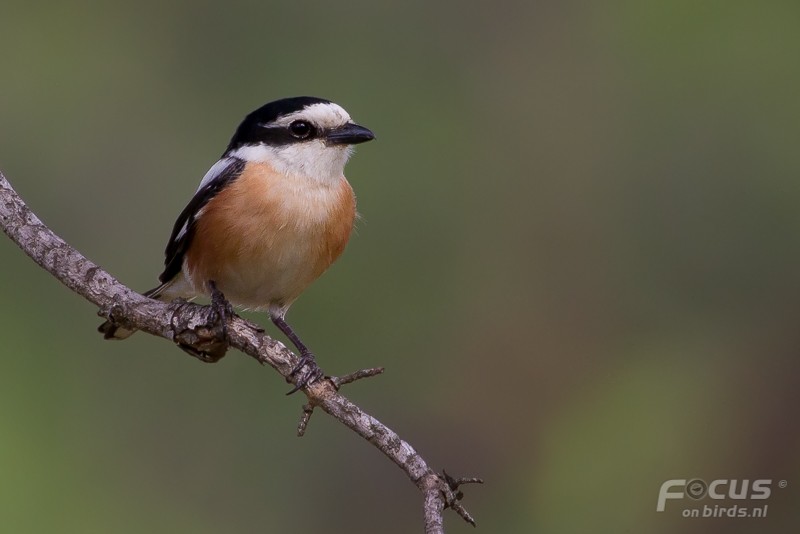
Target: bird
point(268, 218)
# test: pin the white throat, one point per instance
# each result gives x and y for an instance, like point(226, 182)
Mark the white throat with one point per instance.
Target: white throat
point(313, 160)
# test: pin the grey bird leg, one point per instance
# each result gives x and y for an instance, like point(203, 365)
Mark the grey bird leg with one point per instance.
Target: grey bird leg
point(313, 372)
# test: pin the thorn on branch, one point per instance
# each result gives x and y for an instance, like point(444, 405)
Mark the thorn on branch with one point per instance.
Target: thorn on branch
point(453, 499)
point(308, 410)
point(339, 381)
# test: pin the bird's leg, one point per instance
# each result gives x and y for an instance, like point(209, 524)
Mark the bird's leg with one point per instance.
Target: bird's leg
point(307, 361)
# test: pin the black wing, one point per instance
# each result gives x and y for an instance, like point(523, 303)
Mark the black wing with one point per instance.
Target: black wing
point(184, 228)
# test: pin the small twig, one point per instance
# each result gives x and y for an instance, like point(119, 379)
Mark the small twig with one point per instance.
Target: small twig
point(458, 508)
point(308, 411)
point(339, 381)
point(454, 483)
point(455, 496)
point(188, 325)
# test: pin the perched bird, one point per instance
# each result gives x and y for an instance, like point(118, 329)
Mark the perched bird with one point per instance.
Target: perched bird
point(269, 217)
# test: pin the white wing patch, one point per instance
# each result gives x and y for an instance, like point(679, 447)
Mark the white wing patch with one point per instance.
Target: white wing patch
point(214, 171)
point(217, 169)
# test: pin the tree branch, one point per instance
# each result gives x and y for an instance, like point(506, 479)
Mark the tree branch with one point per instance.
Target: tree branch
point(194, 326)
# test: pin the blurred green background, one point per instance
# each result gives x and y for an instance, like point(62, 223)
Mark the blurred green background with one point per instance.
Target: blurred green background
point(578, 262)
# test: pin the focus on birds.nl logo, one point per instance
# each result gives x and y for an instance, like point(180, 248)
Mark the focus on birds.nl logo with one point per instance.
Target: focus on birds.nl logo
point(744, 498)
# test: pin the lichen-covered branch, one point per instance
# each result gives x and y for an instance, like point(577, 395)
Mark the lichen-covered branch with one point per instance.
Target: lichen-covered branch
point(195, 327)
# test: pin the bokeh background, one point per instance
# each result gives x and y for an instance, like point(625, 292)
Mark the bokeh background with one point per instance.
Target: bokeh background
point(578, 261)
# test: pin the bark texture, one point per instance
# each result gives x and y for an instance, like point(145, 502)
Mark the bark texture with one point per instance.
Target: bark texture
point(197, 328)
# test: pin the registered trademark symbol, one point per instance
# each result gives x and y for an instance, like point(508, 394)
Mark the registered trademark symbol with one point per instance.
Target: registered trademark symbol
point(783, 484)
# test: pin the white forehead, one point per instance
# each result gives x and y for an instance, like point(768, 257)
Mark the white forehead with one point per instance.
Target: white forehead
point(324, 115)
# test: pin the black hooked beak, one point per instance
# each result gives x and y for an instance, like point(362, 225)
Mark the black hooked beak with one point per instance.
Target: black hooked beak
point(349, 134)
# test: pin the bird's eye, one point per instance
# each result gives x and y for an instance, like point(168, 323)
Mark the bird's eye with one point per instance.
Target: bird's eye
point(301, 129)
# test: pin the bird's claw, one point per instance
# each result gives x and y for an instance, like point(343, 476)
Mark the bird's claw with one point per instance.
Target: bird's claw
point(310, 372)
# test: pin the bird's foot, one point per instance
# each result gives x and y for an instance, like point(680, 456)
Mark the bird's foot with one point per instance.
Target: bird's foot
point(306, 372)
